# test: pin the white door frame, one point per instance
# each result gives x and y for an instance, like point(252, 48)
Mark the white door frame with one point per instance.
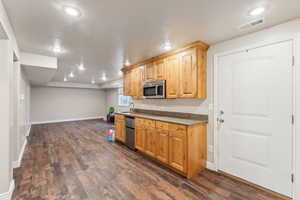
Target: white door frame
point(296, 46)
point(297, 122)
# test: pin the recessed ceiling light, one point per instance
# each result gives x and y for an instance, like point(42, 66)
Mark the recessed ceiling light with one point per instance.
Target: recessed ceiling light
point(65, 79)
point(127, 63)
point(71, 75)
point(81, 67)
point(257, 11)
point(72, 11)
point(56, 49)
point(167, 46)
point(120, 73)
point(93, 81)
point(104, 78)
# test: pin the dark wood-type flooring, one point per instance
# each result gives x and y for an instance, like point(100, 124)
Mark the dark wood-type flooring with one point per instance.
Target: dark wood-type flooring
point(73, 160)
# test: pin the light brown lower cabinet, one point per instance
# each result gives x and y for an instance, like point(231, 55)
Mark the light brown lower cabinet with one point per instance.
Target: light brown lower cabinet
point(177, 149)
point(150, 136)
point(120, 133)
point(181, 148)
point(140, 135)
point(162, 145)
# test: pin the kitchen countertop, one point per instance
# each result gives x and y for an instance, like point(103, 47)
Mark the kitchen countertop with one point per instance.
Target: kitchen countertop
point(175, 120)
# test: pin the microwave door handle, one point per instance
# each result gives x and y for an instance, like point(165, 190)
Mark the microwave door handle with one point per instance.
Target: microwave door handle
point(156, 90)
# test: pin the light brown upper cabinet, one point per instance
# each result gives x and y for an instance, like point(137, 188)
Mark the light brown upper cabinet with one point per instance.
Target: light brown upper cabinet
point(127, 83)
point(140, 83)
point(150, 72)
point(184, 71)
point(159, 67)
point(155, 71)
point(188, 74)
point(172, 82)
point(133, 82)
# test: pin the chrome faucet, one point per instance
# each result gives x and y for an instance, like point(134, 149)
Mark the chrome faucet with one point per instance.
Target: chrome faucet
point(131, 105)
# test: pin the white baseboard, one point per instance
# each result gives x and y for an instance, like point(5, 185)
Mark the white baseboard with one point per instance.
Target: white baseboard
point(66, 120)
point(211, 166)
point(17, 164)
point(7, 195)
point(28, 131)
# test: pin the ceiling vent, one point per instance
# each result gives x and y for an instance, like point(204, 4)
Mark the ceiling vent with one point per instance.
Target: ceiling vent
point(252, 24)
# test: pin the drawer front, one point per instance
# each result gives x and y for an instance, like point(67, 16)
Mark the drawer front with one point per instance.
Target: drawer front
point(119, 117)
point(178, 134)
point(162, 125)
point(139, 122)
point(149, 123)
point(176, 127)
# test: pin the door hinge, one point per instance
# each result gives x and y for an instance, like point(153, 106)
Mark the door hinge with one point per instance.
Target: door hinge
point(293, 61)
point(293, 119)
point(292, 178)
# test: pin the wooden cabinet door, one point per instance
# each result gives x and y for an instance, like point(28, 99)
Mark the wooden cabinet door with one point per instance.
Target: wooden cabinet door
point(171, 65)
point(162, 145)
point(150, 72)
point(160, 69)
point(178, 150)
point(188, 74)
point(134, 81)
point(140, 135)
point(120, 130)
point(140, 83)
point(123, 127)
point(150, 141)
point(127, 83)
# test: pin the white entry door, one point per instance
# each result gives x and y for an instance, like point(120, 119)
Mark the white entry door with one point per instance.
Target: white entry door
point(255, 95)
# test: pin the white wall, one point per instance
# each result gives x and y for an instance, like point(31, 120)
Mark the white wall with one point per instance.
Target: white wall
point(14, 108)
point(8, 48)
point(6, 66)
point(297, 121)
point(174, 105)
point(112, 100)
point(20, 98)
point(56, 104)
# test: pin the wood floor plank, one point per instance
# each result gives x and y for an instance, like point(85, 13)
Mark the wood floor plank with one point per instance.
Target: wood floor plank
point(73, 160)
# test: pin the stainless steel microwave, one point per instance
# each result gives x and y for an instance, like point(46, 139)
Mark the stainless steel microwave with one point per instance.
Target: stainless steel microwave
point(155, 90)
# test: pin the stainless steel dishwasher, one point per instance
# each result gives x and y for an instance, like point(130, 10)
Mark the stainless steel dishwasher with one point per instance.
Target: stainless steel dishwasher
point(130, 132)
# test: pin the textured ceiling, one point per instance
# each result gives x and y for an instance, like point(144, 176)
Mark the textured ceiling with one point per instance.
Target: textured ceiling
point(109, 31)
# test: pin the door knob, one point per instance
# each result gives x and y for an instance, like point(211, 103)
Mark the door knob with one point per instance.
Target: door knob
point(220, 120)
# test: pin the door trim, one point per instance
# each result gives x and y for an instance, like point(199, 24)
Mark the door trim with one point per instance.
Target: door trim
point(296, 193)
point(216, 136)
